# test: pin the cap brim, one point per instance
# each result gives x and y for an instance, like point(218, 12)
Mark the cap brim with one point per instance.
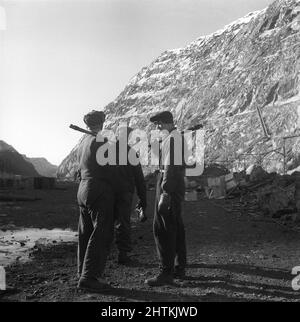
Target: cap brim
point(154, 119)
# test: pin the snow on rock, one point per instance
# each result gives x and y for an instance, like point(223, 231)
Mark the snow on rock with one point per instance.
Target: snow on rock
point(221, 80)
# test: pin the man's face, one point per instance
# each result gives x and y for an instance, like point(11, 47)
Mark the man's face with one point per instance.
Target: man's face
point(161, 126)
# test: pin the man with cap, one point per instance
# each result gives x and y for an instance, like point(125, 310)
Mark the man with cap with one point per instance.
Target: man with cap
point(96, 200)
point(168, 228)
point(127, 178)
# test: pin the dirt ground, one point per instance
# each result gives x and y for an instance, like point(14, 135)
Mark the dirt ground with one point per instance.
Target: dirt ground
point(233, 255)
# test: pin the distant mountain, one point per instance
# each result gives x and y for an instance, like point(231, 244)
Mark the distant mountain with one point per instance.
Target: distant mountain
point(6, 147)
point(42, 166)
point(241, 82)
point(13, 162)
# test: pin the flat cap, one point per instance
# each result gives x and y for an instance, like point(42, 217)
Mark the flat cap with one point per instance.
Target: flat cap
point(164, 117)
point(94, 118)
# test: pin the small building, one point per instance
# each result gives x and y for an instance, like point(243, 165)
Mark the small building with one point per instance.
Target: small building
point(14, 181)
point(44, 183)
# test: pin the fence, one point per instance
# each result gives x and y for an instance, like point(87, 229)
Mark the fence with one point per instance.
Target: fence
point(241, 162)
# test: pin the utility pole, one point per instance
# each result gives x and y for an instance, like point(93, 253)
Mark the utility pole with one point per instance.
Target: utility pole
point(284, 156)
point(267, 135)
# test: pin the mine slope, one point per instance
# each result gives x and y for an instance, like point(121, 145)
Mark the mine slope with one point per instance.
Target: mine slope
point(241, 82)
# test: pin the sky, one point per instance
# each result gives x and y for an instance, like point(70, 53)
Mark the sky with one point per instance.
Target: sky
point(59, 59)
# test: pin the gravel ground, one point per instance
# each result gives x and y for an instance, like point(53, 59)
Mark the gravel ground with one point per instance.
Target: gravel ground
point(232, 256)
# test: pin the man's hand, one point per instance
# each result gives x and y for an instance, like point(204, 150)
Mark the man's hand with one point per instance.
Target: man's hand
point(142, 205)
point(141, 211)
point(141, 214)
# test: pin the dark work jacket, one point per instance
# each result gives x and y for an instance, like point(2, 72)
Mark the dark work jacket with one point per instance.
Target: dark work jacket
point(172, 180)
point(128, 177)
point(96, 180)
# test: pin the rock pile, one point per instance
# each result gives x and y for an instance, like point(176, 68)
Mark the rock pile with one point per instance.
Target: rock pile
point(271, 194)
point(281, 196)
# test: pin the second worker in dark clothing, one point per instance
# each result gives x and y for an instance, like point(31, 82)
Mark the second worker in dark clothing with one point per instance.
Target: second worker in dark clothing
point(128, 178)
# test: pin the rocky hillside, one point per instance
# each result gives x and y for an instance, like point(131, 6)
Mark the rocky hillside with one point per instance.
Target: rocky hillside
point(13, 162)
point(43, 166)
point(69, 165)
point(241, 82)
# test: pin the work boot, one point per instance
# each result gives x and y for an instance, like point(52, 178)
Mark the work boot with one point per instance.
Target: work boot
point(159, 280)
point(179, 272)
point(123, 258)
point(93, 284)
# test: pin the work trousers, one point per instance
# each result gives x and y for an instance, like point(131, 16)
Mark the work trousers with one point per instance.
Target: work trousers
point(169, 232)
point(95, 234)
point(122, 213)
